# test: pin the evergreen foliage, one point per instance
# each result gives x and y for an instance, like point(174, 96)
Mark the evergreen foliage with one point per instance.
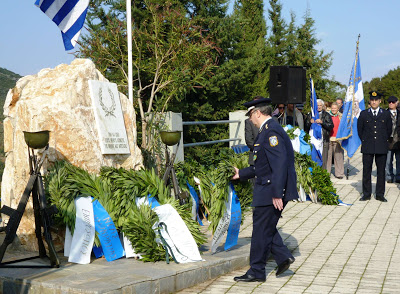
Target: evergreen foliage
point(388, 85)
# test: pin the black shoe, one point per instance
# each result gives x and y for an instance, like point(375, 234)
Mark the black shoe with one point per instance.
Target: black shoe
point(284, 266)
point(390, 181)
point(381, 198)
point(365, 198)
point(339, 178)
point(248, 278)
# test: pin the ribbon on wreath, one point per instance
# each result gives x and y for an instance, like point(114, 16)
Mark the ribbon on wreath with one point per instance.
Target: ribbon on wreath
point(229, 223)
point(107, 232)
point(81, 243)
point(195, 206)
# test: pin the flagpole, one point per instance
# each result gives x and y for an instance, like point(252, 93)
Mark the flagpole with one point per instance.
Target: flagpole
point(129, 35)
point(354, 94)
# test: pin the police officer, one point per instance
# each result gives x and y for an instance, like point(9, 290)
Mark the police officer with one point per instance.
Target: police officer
point(250, 134)
point(275, 185)
point(374, 128)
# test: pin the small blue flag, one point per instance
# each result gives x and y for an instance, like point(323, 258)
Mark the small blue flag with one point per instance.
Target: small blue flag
point(316, 128)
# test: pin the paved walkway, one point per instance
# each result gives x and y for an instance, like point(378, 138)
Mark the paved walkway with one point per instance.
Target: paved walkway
point(338, 249)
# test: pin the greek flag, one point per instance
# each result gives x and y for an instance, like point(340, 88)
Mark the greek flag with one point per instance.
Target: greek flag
point(68, 15)
point(316, 129)
point(354, 104)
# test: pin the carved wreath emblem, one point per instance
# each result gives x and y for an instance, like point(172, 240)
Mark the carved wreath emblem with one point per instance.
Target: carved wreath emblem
point(108, 109)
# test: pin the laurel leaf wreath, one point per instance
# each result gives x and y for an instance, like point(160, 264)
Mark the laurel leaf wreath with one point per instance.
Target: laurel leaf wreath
point(108, 110)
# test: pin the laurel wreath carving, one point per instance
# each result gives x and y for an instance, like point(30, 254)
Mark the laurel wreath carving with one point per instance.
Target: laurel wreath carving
point(109, 110)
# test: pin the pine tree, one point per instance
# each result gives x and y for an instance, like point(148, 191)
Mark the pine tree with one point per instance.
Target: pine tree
point(279, 35)
point(317, 62)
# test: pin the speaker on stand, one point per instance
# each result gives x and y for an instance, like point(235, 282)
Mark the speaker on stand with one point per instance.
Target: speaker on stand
point(287, 84)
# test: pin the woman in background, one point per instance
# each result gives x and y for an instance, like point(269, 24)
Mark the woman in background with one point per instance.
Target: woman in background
point(335, 149)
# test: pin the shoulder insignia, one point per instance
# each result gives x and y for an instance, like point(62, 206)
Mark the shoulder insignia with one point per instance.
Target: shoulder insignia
point(273, 141)
point(256, 145)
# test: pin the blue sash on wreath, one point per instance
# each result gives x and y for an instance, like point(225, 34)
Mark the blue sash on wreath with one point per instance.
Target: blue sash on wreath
point(236, 219)
point(196, 201)
point(108, 235)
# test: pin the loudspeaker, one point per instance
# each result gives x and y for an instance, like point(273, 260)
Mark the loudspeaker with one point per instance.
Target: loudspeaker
point(287, 84)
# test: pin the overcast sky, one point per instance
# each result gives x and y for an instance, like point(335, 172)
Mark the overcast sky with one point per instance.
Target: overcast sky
point(29, 41)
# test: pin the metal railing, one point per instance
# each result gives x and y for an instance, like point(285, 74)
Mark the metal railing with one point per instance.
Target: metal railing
point(212, 122)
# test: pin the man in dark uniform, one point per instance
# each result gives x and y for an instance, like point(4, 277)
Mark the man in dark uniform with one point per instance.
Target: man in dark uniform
point(374, 127)
point(250, 134)
point(275, 185)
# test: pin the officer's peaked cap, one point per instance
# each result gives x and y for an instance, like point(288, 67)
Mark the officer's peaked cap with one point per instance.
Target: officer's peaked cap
point(375, 95)
point(256, 103)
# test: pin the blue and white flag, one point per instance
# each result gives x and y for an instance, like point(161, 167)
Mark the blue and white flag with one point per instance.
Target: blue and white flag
point(354, 104)
point(316, 129)
point(68, 15)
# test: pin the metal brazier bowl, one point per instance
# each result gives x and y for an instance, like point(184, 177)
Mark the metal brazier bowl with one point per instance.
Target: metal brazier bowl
point(37, 140)
point(170, 138)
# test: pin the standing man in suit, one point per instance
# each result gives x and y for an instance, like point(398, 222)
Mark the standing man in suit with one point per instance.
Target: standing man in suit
point(250, 134)
point(275, 185)
point(374, 127)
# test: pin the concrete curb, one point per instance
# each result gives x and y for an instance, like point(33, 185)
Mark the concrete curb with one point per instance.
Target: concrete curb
point(123, 275)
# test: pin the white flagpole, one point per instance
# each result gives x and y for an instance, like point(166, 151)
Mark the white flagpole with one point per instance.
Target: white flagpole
point(129, 33)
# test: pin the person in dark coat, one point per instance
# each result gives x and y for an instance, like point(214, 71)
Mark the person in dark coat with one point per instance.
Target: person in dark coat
point(339, 101)
point(374, 127)
point(394, 142)
point(250, 134)
point(275, 185)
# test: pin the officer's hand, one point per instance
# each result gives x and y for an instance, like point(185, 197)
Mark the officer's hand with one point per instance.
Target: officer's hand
point(236, 175)
point(318, 121)
point(278, 203)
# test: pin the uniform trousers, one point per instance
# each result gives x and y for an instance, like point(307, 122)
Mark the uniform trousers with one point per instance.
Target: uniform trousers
point(389, 165)
point(266, 240)
point(380, 161)
point(336, 151)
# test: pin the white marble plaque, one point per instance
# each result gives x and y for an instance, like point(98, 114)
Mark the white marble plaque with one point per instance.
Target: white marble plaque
point(109, 118)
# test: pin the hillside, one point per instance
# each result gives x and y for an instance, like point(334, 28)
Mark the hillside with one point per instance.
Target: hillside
point(7, 81)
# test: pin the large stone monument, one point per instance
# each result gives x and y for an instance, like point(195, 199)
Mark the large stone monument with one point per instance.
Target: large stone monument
point(58, 100)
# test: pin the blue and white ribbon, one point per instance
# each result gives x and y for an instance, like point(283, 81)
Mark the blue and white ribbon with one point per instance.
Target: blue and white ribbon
point(108, 235)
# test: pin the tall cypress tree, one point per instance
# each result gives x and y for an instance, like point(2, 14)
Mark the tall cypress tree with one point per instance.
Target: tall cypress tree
point(317, 62)
point(279, 34)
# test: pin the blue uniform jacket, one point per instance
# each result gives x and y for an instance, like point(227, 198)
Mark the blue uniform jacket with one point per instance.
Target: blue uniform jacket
point(273, 166)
